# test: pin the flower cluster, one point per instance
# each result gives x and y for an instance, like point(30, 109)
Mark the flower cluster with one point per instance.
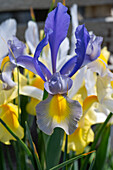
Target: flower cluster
point(79, 85)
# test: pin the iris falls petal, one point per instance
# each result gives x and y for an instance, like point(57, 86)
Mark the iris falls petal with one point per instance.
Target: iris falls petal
point(58, 111)
point(58, 21)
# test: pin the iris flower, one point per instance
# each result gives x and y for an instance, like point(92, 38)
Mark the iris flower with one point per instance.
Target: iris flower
point(58, 110)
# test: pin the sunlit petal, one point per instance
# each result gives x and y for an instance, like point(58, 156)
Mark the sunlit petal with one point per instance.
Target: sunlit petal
point(7, 31)
point(32, 36)
point(9, 114)
point(32, 92)
point(74, 15)
point(58, 111)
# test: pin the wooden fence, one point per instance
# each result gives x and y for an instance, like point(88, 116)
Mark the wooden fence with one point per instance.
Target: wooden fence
point(96, 14)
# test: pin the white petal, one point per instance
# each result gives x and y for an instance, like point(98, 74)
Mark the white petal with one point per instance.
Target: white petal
point(77, 82)
point(74, 26)
point(32, 36)
point(7, 31)
point(90, 81)
point(32, 92)
point(98, 66)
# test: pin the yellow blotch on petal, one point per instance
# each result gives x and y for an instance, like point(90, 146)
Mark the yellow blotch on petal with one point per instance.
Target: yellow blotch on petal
point(112, 84)
point(4, 61)
point(88, 102)
point(59, 109)
point(9, 114)
point(105, 54)
point(37, 82)
point(28, 73)
point(31, 106)
point(22, 78)
point(100, 61)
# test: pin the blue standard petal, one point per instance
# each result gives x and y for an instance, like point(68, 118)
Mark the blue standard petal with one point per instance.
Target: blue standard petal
point(83, 38)
point(58, 21)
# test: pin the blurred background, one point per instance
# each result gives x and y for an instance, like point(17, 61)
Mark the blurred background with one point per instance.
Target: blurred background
point(96, 14)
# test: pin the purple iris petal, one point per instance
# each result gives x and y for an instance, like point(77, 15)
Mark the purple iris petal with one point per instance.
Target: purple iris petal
point(58, 21)
point(68, 66)
point(41, 68)
point(16, 48)
point(42, 44)
point(7, 74)
point(58, 84)
point(30, 64)
point(45, 70)
point(93, 49)
point(83, 38)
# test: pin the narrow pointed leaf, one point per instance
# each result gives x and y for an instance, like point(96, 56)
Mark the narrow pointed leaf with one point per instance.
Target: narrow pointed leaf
point(54, 148)
point(102, 150)
point(32, 147)
point(70, 161)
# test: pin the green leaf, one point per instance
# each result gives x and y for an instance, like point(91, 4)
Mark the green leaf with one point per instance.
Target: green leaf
point(32, 147)
point(53, 152)
point(102, 150)
point(70, 161)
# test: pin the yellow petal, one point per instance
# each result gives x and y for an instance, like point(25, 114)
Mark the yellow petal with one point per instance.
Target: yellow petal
point(80, 138)
point(9, 114)
point(4, 61)
point(31, 106)
point(105, 54)
point(37, 82)
point(28, 73)
point(88, 102)
point(22, 78)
